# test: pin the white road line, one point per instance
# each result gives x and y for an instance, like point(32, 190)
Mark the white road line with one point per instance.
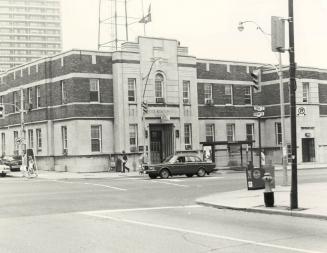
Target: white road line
point(107, 186)
point(162, 182)
point(223, 237)
point(139, 209)
point(101, 185)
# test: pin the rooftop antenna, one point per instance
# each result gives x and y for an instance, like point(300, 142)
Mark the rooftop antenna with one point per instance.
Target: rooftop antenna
point(114, 22)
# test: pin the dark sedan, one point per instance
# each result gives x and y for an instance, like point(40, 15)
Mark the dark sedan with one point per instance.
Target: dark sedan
point(180, 164)
point(14, 162)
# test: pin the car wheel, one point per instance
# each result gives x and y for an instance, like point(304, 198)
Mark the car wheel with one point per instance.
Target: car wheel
point(2, 174)
point(189, 175)
point(201, 172)
point(164, 173)
point(152, 176)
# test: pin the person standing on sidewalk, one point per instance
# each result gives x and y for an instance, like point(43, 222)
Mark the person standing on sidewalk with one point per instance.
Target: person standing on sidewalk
point(124, 162)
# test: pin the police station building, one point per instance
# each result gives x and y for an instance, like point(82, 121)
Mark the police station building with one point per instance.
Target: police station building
point(83, 108)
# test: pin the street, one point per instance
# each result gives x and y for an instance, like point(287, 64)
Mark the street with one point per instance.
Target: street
point(136, 214)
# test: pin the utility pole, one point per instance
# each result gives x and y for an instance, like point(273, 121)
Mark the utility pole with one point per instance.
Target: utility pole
point(292, 73)
point(21, 121)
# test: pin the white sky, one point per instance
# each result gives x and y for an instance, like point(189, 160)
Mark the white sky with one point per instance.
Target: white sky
point(209, 27)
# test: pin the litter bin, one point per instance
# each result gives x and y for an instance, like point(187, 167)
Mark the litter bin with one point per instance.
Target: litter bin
point(254, 177)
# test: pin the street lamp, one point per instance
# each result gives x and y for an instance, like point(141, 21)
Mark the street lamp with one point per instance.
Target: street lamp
point(281, 88)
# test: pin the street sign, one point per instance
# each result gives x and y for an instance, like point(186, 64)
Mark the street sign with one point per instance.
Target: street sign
point(258, 114)
point(301, 111)
point(259, 108)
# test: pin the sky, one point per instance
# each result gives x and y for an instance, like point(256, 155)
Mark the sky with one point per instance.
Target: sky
point(208, 27)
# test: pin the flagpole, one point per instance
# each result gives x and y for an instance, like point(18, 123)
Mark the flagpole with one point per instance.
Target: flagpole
point(143, 18)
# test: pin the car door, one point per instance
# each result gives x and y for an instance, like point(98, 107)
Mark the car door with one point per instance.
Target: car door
point(192, 167)
point(179, 166)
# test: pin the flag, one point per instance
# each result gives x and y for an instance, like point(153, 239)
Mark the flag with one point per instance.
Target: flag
point(147, 17)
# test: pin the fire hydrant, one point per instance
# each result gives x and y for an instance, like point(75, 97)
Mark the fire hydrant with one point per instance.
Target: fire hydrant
point(268, 194)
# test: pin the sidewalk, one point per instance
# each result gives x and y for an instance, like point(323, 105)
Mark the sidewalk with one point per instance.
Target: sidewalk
point(55, 175)
point(311, 199)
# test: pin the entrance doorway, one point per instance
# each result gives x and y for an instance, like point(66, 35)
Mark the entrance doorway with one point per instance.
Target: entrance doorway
point(161, 142)
point(308, 150)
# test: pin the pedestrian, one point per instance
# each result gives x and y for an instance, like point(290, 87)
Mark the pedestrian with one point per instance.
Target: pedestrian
point(124, 162)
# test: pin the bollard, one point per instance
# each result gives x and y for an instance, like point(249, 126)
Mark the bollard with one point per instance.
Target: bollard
point(268, 194)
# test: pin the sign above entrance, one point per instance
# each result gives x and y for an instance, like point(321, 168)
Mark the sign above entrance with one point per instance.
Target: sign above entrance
point(165, 114)
point(258, 114)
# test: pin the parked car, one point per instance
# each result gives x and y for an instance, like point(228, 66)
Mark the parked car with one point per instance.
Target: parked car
point(14, 162)
point(180, 164)
point(4, 169)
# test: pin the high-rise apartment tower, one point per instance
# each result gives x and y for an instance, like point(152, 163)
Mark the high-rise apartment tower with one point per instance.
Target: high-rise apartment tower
point(29, 29)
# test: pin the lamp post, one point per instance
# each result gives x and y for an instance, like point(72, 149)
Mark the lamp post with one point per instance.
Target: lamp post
point(282, 107)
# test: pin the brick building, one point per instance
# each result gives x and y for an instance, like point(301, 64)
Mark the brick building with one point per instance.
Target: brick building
point(83, 108)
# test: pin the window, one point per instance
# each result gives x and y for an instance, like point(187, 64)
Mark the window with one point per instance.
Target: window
point(248, 96)
point(3, 143)
point(159, 86)
point(207, 93)
point(187, 134)
point(63, 92)
point(133, 137)
point(16, 102)
point(29, 98)
point(210, 132)
point(186, 92)
point(278, 133)
point(96, 138)
point(16, 145)
point(305, 98)
point(1, 100)
point(230, 129)
point(64, 139)
point(94, 90)
point(289, 153)
point(249, 132)
point(38, 139)
point(131, 89)
point(229, 94)
point(38, 97)
point(30, 139)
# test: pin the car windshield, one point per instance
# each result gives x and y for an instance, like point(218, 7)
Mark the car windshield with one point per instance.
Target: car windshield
point(170, 159)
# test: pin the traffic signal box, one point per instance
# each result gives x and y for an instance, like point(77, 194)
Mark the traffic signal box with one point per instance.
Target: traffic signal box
point(256, 79)
point(2, 111)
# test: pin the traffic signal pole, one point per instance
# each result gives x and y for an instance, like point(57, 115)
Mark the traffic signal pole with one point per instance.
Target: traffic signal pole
point(292, 73)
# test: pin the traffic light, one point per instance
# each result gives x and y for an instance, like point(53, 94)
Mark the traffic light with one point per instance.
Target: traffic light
point(256, 78)
point(2, 111)
point(145, 107)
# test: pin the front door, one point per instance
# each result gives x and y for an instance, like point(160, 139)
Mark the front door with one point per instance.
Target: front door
point(308, 149)
point(156, 146)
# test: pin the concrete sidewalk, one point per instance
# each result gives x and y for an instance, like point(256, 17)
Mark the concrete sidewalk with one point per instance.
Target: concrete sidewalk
point(55, 175)
point(311, 198)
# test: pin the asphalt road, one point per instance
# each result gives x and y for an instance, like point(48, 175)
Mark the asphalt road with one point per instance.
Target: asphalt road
point(136, 214)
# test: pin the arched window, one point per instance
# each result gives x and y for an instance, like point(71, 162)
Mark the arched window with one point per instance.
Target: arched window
point(159, 81)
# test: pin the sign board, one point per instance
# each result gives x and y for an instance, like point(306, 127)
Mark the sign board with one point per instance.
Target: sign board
point(258, 114)
point(259, 108)
point(301, 111)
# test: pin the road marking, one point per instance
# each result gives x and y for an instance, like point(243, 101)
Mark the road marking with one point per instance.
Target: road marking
point(182, 230)
point(101, 185)
point(107, 186)
point(162, 182)
point(139, 209)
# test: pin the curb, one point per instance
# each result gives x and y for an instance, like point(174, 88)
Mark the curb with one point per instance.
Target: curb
point(264, 211)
